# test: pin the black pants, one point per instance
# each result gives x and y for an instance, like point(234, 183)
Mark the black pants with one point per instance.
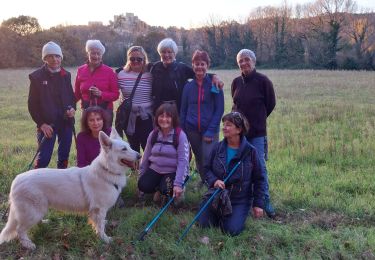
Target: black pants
point(151, 181)
point(142, 129)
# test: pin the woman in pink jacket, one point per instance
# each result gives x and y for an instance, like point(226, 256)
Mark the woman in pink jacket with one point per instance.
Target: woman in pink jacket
point(96, 83)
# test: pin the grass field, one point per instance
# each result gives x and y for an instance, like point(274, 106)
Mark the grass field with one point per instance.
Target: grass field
point(321, 172)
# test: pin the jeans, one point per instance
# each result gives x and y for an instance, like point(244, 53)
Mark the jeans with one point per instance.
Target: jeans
point(64, 138)
point(232, 224)
point(261, 145)
point(201, 149)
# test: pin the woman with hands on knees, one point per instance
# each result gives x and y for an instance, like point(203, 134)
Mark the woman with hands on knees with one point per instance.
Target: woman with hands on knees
point(165, 162)
point(244, 189)
point(96, 83)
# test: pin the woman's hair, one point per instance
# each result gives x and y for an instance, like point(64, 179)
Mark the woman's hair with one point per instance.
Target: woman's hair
point(238, 120)
point(171, 110)
point(95, 44)
point(167, 43)
point(127, 67)
point(90, 110)
point(246, 53)
point(199, 55)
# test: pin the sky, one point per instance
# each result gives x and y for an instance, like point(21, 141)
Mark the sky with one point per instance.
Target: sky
point(186, 13)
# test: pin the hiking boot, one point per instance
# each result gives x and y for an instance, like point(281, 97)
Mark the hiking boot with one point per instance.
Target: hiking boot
point(270, 211)
point(157, 197)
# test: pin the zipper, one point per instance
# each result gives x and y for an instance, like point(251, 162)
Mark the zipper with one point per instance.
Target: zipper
point(199, 106)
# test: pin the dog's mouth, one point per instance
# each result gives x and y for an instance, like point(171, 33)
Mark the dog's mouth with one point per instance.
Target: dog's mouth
point(130, 164)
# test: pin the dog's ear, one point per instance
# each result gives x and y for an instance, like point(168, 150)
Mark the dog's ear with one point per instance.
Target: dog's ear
point(105, 141)
point(114, 134)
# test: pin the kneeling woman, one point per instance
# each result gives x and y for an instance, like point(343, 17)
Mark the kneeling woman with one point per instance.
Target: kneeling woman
point(230, 208)
point(165, 161)
point(94, 119)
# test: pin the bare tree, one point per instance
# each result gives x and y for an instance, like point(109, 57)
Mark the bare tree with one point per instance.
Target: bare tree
point(327, 18)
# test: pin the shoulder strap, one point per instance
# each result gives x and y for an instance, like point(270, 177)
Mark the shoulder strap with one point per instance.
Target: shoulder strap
point(176, 136)
point(154, 136)
point(135, 85)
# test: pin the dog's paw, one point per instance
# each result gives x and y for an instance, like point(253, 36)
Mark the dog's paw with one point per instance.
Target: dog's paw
point(106, 239)
point(28, 244)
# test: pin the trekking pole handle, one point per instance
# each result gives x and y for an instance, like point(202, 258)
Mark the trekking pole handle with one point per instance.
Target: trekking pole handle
point(153, 221)
point(203, 208)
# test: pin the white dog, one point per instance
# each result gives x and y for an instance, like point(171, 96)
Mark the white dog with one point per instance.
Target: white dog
point(92, 189)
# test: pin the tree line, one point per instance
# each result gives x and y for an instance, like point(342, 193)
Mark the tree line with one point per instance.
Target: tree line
point(325, 34)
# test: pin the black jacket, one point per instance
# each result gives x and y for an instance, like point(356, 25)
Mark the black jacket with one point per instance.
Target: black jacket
point(50, 95)
point(254, 96)
point(247, 181)
point(168, 82)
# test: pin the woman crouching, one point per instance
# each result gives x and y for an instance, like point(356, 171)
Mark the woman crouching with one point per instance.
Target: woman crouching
point(245, 188)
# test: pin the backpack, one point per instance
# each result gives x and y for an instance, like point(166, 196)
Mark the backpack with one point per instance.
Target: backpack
point(176, 137)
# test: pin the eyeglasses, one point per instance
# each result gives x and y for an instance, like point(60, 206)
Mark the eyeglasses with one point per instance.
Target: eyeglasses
point(137, 59)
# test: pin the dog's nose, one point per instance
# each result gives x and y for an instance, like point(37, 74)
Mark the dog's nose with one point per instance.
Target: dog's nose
point(138, 156)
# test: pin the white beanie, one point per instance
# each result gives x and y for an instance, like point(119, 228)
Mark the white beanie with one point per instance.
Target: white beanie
point(51, 48)
point(95, 44)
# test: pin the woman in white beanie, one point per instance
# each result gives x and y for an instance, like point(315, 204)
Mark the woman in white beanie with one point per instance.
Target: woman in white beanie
point(96, 83)
point(52, 106)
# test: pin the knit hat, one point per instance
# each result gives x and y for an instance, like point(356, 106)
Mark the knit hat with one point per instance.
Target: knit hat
point(51, 48)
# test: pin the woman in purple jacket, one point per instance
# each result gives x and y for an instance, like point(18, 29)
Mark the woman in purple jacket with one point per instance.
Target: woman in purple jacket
point(165, 164)
point(94, 119)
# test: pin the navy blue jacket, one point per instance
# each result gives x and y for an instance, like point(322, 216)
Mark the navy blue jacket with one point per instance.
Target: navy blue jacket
point(201, 110)
point(247, 181)
point(50, 95)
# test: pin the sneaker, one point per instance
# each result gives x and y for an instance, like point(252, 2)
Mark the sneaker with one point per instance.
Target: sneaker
point(270, 211)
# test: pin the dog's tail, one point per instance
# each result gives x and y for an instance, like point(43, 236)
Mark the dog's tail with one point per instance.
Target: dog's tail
point(9, 232)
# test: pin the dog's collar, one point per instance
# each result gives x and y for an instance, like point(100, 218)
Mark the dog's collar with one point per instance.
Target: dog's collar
point(105, 168)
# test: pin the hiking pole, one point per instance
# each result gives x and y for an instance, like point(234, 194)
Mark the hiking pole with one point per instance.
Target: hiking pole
point(37, 151)
point(72, 121)
point(153, 221)
point(203, 208)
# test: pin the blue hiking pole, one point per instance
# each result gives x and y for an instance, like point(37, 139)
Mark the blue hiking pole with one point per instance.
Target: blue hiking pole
point(203, 208)
point(153, 221)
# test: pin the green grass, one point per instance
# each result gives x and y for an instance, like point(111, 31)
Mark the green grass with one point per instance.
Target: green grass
point(321, 173)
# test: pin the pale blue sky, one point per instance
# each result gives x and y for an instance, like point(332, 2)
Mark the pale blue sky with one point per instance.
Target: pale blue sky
point(186, 13)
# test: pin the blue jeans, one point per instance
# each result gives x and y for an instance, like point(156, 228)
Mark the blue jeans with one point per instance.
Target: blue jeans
point(201, 149)
point(64, 139)
point(261, 145)
point(232, 224)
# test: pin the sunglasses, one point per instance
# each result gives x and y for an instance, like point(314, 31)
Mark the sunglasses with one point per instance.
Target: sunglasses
point(137, 59)
point(238, 119)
